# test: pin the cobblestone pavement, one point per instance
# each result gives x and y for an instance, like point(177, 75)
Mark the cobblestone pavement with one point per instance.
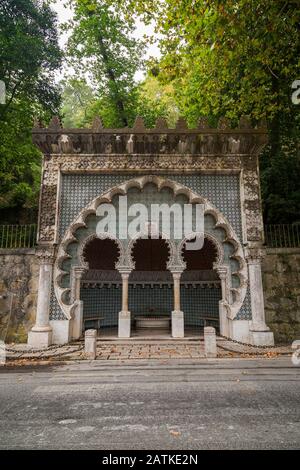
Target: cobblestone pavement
point(122, 350)
point(189, 350)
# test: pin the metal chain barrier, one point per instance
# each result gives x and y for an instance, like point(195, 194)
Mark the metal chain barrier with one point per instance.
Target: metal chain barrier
point(253, 353)
point(49, 348)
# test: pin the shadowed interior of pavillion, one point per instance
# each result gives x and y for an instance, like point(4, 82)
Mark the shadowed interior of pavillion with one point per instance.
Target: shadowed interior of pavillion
point(150, 288)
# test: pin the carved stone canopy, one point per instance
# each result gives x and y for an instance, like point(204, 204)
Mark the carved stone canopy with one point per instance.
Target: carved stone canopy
point(203, 140)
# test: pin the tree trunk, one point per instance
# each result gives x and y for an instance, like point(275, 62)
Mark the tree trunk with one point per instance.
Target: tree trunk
point(111, 76)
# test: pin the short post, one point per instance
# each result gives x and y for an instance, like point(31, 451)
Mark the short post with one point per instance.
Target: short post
point(210, 342)
point(90, 338)
point(124, 324)
point(177, 314)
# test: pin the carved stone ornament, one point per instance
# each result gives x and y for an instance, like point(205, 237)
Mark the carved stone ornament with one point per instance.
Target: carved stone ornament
point(45, 255)
point(255, 254)
point(200, 141)
point(125, 262)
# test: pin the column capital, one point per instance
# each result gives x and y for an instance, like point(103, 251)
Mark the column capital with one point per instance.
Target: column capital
point(176, 274)
point(124, 270)
point(45, 255)
point(124, 275)
point(79, 271)
point(255, 254)
point(176, 268)
point(222, 271)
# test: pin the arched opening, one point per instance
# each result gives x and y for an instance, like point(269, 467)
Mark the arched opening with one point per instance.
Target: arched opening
point(151, 286)
point(200, 287)
point(101, 285)
point(101, 254)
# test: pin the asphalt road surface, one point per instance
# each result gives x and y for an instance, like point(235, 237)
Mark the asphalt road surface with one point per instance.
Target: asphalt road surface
point(216, 404)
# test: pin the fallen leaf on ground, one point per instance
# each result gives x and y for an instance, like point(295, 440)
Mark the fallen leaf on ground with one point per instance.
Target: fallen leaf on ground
point(271, 354)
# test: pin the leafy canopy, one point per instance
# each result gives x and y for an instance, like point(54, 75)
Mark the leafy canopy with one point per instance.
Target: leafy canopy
point(29, 56)
point(29, 53)
point(102, 46)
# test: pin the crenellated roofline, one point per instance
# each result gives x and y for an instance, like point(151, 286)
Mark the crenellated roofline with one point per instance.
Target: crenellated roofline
point(181, 140)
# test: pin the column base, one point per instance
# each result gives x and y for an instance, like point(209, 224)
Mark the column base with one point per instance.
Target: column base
point(39, 338)
point(261, 338)
point(177, 324)
point(124, 325)
point(61, 331)
point(77, 321)
point(224, 322)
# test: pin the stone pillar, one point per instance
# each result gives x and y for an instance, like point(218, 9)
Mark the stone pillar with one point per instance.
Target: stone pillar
point(210, 341)
point(177, 314)
point(77, 274)
point(260, 333)
point(224, 326)
point(90, 344)
point(124, 326)
point(40, 335)
point(77, 320)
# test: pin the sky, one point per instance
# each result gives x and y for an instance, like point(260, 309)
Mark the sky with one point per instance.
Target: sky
point(64, 14)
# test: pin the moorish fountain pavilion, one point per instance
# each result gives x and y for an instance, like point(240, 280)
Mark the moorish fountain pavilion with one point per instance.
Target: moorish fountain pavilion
point(97, 279)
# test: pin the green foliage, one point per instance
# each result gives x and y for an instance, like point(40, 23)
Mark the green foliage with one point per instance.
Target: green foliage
point(224, 57)
point(237, 58)
point(151, 100)
point(77, 98)
point(29, 55)
point(280, 183)
point(102, 45)
point(156, 100)
point(19, 160)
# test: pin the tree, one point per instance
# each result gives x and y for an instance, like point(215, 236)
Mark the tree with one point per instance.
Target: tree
point(29, 56)
point(152, 100)
point(102, 45)
point(29, 53)
point(156, 100)
point(77, 98)
point(20, 167)
point(233, 58)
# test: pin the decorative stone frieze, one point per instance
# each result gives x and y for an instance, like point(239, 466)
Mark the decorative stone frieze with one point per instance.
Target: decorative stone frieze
point(160, 140)
point(145, 163)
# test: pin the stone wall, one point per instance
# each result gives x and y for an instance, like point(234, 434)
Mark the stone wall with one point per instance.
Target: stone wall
point(18, 275)
point(281, 279)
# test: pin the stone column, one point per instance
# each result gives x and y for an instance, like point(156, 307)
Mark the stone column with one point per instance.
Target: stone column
point(40, 335)
point(177, 314)
point(77, 320)
point(223, 274)
point(260, 333)
point(124, 315)
point(77, 274)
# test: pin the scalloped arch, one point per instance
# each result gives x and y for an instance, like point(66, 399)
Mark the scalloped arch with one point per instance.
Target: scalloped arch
point(171, 247)
point(208, 236)
point(98, 236)
point(122, 189)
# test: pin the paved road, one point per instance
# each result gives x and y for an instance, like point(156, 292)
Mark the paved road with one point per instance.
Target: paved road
point(160, 405)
